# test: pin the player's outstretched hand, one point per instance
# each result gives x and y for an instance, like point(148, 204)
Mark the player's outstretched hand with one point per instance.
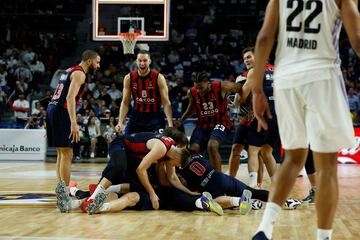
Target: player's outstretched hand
point(177, 123)
point(74, 133)
point(261, 106)
point(154, 201)
point(195, 193)
point(119, 128)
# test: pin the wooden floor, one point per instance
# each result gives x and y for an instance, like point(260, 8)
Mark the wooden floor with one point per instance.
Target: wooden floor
point(45, 222)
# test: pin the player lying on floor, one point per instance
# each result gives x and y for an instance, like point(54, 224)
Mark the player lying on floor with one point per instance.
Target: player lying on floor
point(123, 169)
point(200, 175)
point(228, 191)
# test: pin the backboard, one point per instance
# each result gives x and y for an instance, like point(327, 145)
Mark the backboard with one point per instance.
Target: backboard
point(149, 17)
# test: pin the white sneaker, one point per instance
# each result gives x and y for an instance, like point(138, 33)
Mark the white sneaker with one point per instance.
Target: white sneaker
point(245, 204)
point(99, 200)
point(291, 204)
point(92, 155)
point(256, 204)
point(63, 199)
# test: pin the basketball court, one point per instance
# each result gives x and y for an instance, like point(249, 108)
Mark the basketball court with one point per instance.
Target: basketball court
point(28, 211)
point(28, 203)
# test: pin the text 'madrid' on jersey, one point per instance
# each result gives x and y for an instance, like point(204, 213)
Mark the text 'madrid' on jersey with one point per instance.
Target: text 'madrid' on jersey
point(307, 39)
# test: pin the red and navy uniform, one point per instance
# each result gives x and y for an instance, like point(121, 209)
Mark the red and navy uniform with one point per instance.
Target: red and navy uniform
point(57, 118)
point(145, 91)
point(62, 89)
point(213, 121)
point(269, 86)
point(200, 175)
point(211, 108)
point(136, 146)
point(147, 115)
point(171, 198)
point(241, 132)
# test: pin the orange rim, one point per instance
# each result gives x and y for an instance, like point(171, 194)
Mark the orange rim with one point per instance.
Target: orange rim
point(130, 35)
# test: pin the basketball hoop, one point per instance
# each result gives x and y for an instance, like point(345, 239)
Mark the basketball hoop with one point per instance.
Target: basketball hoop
point(128, 41)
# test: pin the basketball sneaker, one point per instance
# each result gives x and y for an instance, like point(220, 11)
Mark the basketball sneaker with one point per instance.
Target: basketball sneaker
point(63, 199)
point(260, 236)
point(291, 204)
point(97, 203)
point(256, 204)
point(209, 204)
point(245, 202)
point(310, 198)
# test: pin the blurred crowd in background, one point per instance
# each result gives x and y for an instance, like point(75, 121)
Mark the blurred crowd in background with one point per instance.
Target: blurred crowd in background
point(38, 38)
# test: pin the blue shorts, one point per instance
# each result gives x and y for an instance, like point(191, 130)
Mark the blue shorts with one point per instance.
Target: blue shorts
point(145, 122)
point(171, 198)
point(144, 202)
point(221, 184)
point(202, 136)
point(270, 136)
point(116, 169)
point(58, 126)
point(241, 135)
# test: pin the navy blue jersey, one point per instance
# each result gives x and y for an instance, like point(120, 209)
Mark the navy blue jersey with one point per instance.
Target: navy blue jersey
point(62, 89)
point(136, 145)
point(200, 175)
point(197, 172)
point(269, 86)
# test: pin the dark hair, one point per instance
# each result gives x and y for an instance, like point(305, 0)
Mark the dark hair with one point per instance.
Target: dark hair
point(144, 52)
point(185, 155)
point(88, 54)
point(179, 137)
point(248, 49)
point(201, 77)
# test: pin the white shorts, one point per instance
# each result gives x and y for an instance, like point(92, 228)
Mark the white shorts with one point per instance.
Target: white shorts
point(315, 114)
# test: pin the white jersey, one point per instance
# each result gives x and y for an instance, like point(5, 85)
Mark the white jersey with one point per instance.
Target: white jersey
point(308, 41)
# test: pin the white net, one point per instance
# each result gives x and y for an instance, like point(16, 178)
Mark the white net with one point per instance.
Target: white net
point(128, 41)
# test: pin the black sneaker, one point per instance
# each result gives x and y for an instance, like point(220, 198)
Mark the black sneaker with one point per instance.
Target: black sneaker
point(310, 198)
point(260, 236)
point(80, 194)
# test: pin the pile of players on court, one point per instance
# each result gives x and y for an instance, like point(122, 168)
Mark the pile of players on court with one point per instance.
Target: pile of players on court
point(179, 180)
point(149, 169)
